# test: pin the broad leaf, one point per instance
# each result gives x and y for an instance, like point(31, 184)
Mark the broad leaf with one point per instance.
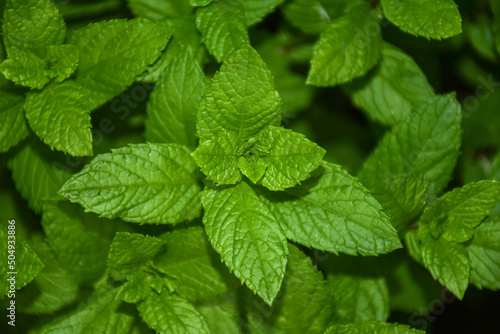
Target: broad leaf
point(26, 69)
point(13, 125)
point(159, 9)
point(247, 236)
point(142, 183)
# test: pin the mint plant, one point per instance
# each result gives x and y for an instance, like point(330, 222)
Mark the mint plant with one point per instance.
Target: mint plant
point(246, 166)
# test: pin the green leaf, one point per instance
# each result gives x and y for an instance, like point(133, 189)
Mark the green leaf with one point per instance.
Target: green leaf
point(59, 115)
point(245, 233)
point(166, 313)
point(142, 183)
point(191, 260)
point(393, 90)
point(13, 124)
point(448, 263)
point(38, 173)
point(113, 53)
point(455, 215)
point(484, 254)
point(343, 52)
point(199, 3)
point(495, 6)
point(402, 197)
point(26, 69)
point(63, 60)
point(372, 327)
point(427, 141)
point(222, 314)
point(31, 26)
point(223, 27)
point(436, 19)
point(307, 15)
point(240, 98)
point(130, 252)
point(173, 103)
point(159, 9)
point(256, 10)
point(331, 211)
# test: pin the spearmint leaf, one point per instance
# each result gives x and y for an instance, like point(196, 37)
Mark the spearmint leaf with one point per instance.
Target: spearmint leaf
point(396, 87)
point(484, 255)
point(38, 173)
point(436, 19)
point(427, 141)
point(240, 98)
point(26, 69)
point(343, 52)
point(63, 60)
point(191, 260)
point(402, 197)
point(256, 10)
point(113, 53)
point(173, 103)
point(166, 313)
point(59, 114)
point(372, 327)
point(249, 239)
point(31, 26)
point(13, 125)
point(130, 252)
point(331, 211)
point(159, 9)
point(223, 27)
point(455, 215)
point(290, 160)
point(448, 262)
point(142, 183)
point(307, 15)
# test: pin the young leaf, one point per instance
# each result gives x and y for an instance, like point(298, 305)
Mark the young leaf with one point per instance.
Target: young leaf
point(448, 263)
point(26, 69)
point(223, 27)
point(331, 211)
point(372, 327)
point(166, 313)
point(484, 254)
point(247, 236)
point(427, 141)
point(63, 60)
point(113, 53)
point(436, 19)
point(395, 88)
point(13, 125)
point(173, 103)
point(59, 114)
point(307, 15)
point(255, 10)
point(347, 49)
point(142, 183)
point(240, 98)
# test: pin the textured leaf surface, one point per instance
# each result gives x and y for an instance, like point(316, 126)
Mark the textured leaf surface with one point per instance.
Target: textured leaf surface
point(448, 263)
point(191, 260)
point(63, 60)
point(13, 124)
point(247, 236)
point(331, 211)
point(484, 255)
point(240, 98)
point(307, 15)
point(167, 313)
point(143, 183)
point(59, 115)
point(223, 27)
point(113, 53)
point(372, 327)
point(343, 53)
point(26, 69)
point(395, 88)
point(428, 18)
point(256, 10)
point(427, 142)
point(173, 103)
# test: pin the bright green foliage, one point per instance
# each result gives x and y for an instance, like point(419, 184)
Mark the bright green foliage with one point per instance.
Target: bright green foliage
point(13, 125)
point(221, 314)
point(255, 10)
point(144, 183)
point(173, 103)
point(372, 327)
point(25, 69)
point(393, 90)
point(167, 313)
point(343, 53)
point(59, 114)
point(223, 27)
point(63, 60)
point(244, 231)
point(307, 15)
point(199, 3)
point(331, 211)
point(159, 9)
point(427, 141)
point(436, 19)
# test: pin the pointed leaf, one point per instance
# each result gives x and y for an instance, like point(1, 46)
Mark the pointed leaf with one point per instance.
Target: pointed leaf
point(13, 124)
point(26, 69)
